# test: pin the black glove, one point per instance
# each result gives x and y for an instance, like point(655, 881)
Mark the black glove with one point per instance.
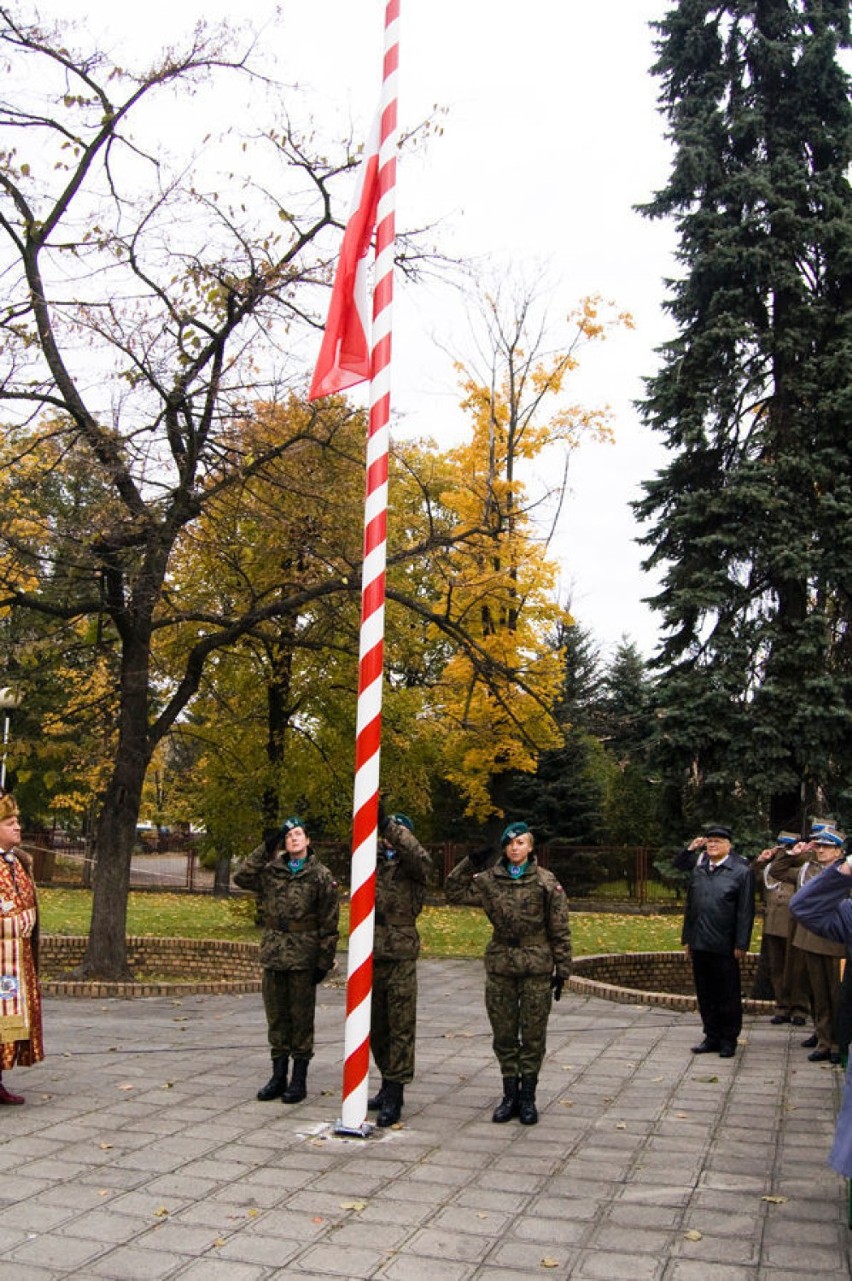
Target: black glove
point(271, 840)
point(557, 983)
point(478, 858)
point(318, 976)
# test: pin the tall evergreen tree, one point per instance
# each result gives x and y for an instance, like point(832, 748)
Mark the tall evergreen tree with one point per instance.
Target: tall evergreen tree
point(751, 519)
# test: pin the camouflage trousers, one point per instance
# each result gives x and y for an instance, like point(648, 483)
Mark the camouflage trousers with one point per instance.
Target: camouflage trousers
point(289, 998)
point(393, 1021)
point(518, 1008)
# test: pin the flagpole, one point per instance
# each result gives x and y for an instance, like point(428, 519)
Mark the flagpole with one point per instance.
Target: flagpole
point(359, 983)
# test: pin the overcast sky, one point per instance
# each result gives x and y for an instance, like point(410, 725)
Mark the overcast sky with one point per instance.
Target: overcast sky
point(550, 136)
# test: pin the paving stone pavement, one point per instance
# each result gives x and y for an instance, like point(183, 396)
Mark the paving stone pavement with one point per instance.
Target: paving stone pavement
point(142, 1154)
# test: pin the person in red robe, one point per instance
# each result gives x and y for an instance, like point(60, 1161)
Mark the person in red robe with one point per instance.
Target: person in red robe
point(20, 999)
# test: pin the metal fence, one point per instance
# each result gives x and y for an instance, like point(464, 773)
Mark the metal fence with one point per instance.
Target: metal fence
point(621, 873)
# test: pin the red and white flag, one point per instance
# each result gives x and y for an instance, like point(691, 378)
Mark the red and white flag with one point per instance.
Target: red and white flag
point(344, 357)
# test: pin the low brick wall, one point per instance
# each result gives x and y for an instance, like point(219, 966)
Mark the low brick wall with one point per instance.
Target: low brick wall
point(209, 965)
point(651, 978)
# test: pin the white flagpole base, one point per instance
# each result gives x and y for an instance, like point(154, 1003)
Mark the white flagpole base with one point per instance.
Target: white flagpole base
point(362, 1131)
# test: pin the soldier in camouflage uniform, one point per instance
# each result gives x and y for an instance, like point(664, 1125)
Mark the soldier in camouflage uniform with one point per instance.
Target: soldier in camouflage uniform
point(526, 962)
point(298, 901)
point(403, 868)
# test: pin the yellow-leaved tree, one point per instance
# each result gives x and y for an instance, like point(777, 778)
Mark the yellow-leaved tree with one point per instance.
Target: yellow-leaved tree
point(495, 696)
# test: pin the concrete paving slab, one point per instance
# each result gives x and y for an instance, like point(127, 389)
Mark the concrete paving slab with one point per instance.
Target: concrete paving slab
point(143, 1155)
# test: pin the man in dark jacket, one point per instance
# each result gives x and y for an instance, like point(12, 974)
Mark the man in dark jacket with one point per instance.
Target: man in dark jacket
point(717, 927)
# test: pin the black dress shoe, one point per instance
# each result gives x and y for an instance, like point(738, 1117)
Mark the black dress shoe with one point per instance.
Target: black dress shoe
point(780, 1018)
point(727, 1050)
point(809, 1041)
point(706, 1047)
point(798, 1021)
point(819, 1056)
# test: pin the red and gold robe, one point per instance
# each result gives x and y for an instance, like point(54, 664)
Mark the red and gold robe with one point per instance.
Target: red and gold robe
point(20, 999)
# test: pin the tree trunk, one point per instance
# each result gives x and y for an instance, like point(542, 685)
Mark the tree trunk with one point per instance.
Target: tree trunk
point(222, 877)
point(115, 836)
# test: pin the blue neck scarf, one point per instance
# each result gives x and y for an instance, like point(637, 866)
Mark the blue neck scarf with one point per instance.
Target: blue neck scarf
point(295, 864)
point(517, 869)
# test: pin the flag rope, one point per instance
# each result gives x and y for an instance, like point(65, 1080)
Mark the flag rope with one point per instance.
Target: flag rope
point(371, 648)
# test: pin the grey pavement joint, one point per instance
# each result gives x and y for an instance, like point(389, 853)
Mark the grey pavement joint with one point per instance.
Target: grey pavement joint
point(143, 1155)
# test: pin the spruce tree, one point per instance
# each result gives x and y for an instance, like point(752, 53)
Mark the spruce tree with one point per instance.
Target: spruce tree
point(751, 518)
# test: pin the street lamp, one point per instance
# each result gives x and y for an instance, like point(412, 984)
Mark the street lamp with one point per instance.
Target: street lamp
point(8, 700)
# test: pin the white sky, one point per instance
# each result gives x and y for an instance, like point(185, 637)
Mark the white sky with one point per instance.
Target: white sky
point(550, 137)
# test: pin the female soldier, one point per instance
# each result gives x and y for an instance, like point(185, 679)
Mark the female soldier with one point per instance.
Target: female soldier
point(300, 908)
point(527, 959)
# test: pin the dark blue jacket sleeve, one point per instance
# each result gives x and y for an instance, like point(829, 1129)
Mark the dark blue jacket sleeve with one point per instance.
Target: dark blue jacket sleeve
point(822, 905)
point(745, 911)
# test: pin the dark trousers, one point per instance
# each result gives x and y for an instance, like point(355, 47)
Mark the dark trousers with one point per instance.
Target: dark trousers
point(824, 977)
point(775, 946)
point(518, 1007)
point(717, 986)
point(393, 1019)
point(289, 998)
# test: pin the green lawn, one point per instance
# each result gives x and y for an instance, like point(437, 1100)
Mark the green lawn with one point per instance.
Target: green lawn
point(445, 931)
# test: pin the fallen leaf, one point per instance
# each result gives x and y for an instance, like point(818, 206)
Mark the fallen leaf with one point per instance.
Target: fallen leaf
point(547, 1262)
point(105, 1147)
point(219, 1242)
point(693, 1235)
point(318, 1219)
point(354, 1205)
point(682, 1116)
point(482, 1215)
point(776, 1200)
point(162, 1213)
point(127, 1085)
point(622, 1125)
point(567, 1103)
point(253, 1213)
point(709, 1080)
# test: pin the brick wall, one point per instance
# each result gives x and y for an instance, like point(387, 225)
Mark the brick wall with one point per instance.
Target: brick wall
point(651, 978)
point(205, 965)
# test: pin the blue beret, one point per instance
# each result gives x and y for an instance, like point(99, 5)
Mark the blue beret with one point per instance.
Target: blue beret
point(513, 830)
point(289, 824)
point(404, 820)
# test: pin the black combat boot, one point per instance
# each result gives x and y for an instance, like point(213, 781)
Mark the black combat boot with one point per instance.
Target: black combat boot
point(297, 1089)
point(508, 1105)
point(376, 1101)
point(391, 1108)
point(277, 1083)
point(527, 1110)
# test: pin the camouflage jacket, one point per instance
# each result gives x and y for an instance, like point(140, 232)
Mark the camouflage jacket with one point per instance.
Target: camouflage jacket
point(528, 914)
point(301, 910)
point(400, 891)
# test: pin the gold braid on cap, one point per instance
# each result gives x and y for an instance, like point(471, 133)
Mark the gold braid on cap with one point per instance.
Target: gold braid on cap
point(8, 806)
